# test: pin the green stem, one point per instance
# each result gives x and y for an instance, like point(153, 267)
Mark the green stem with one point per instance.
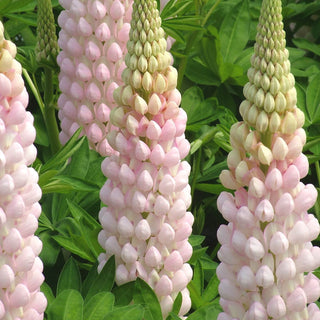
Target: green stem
point(49, 112)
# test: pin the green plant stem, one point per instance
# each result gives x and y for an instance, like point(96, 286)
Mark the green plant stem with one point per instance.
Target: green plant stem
point(49, 112)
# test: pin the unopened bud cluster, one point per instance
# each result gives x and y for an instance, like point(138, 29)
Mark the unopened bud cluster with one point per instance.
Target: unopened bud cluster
point(47, 44)
point(146, 224)
point(93, 40)
point(20, 267)
point(267, 257)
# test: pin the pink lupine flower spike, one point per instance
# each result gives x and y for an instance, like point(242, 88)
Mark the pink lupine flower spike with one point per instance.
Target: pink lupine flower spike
point(267, 257)
point(20, 267)
point(146, 224)
point(93, 41)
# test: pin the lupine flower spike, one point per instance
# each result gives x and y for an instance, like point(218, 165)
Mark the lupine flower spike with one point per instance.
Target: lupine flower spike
point(93, 41)
point(266, 255)
point(20, 266)
point(146, 224)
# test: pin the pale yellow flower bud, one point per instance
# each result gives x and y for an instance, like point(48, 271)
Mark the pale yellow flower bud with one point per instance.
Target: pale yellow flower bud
point(274, 86)
point(142, 64)
point(227, 179)
point(153, 64)
point(244, 108)
point(259, 98)
point(264, 155)
point(241, 171)
point(5, 60)
point(126, 95)
point(269, 103)
point(280, 149)
point(265, 82)
point(117, 117)
point(160, 84)
point(289, 124)
point(275, 122)
point(147, 81)
point(136, 79)
point(233, 159)
point(280, 102)
point(140, 105)
point(262, 122)
point(252, 115)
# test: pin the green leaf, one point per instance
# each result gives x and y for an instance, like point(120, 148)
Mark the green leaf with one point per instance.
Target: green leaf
point(301, 97)
point(74, 245)
point(78, 213)
point(135, 312)
point(67, 306)
point(210, 188)
point(124, 293)
point(313, 100)
point(70, 277)
point(213, 172)
point(196, 240)
point(50, 249)
point(200, 74)
point(207, 312)
point(98, 305)
point(198, 278)
point(234, 31)
point(186, 23)
point(46, 289)
point(177, 304)
point(211, 290)
point(89, 280)
point(65, 152)
point(146, 296)
point(105, 279)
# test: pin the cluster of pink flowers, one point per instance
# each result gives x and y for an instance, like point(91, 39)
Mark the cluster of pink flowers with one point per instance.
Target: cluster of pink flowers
point(20, 267)
point(93, 41)
point(146, 224)
point(266, 255)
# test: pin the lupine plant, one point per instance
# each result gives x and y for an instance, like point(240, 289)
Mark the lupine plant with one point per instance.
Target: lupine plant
point(20, 267)
point(267, 257)
point(118, 248)
point(146, 224)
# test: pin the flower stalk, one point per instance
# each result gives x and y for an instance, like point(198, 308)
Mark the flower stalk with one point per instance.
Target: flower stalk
point(267, 257)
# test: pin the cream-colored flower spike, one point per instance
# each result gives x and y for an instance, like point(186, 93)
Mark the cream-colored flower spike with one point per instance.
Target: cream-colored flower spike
point(266, 255)
point(146, 224)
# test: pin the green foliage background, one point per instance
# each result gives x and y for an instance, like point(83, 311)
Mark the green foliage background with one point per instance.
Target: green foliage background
point(214, 43)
